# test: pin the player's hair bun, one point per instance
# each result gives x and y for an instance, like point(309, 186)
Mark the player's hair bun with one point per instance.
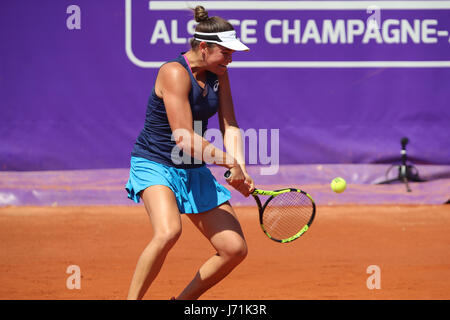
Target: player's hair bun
point(200, 14)
point(207, 24)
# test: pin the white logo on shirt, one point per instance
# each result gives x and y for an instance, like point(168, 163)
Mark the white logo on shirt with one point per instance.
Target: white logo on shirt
point(216, 85)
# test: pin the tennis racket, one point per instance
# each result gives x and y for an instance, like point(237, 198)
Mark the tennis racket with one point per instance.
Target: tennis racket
point(286, 215)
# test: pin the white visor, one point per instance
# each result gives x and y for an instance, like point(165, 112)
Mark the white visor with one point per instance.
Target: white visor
point(225, 39)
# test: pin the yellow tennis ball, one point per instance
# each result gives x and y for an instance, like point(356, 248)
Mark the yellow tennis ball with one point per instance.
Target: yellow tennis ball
point(338, 185)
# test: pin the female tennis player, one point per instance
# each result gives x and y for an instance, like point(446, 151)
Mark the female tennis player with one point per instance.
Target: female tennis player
point(168, 160)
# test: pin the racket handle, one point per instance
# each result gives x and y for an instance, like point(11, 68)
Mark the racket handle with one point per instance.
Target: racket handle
point(227, 174)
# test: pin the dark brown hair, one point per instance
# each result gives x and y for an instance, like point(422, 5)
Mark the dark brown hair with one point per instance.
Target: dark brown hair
point(208, 24)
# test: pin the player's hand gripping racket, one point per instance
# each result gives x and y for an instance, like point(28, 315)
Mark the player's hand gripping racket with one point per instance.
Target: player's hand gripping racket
point(287, 213)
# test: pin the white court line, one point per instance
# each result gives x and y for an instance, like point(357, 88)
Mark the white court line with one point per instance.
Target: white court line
point(281, 64)
point(299, 5)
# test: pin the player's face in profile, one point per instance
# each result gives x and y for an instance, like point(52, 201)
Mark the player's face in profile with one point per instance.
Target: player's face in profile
point(218, 59)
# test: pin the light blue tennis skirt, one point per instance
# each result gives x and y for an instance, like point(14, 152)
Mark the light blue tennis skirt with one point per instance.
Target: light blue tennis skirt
point(196, 190)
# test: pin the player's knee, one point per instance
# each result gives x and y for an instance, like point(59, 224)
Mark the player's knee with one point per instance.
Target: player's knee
point(235, 250)
point(168, 237)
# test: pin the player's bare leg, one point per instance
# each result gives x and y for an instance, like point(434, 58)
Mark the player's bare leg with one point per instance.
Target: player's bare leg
point(221, 227)
point(162, 208)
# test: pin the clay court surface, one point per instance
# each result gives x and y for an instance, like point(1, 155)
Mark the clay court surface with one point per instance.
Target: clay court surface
point(410, 245)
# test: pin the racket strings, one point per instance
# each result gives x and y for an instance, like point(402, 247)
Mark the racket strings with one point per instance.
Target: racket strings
point(287, 214)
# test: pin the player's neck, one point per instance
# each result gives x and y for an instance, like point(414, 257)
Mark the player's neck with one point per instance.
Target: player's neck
point(196, 62)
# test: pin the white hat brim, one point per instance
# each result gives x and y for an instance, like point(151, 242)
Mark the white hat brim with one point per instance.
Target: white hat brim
point(235, 45)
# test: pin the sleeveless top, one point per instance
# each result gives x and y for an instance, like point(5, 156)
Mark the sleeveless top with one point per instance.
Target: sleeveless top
point(156, 143)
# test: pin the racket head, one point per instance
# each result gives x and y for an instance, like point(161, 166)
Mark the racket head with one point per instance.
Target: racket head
point(286, 215)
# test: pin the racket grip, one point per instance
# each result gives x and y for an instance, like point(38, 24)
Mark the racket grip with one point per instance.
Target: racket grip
point(227, 174)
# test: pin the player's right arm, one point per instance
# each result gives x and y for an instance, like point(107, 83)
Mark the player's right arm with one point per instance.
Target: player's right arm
point(173, 85)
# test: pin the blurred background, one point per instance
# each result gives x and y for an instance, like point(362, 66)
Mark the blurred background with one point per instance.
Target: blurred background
point(75, 78)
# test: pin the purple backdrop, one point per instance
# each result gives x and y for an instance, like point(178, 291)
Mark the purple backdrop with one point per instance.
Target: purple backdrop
point(76, 98)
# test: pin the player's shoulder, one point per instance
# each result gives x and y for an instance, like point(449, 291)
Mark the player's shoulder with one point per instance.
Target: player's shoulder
point(173, 70)
point(173, 75)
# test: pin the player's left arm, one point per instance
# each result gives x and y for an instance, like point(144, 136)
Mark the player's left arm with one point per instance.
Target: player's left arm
point(232, 136)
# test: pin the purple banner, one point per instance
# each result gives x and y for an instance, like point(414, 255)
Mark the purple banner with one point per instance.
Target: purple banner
point(338, 81)
point(285, 31)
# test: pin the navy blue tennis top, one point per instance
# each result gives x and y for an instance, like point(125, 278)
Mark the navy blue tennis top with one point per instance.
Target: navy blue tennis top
point(155, 142)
